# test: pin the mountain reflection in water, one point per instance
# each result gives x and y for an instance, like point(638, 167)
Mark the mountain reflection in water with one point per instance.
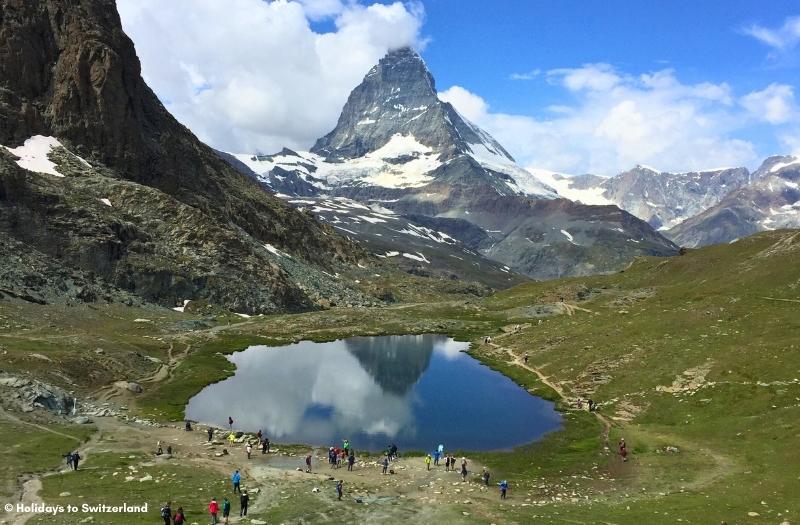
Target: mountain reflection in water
point(415, 390)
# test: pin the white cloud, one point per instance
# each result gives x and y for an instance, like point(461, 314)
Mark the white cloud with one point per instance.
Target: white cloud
point(773, 104)
point(790, 141)
point(783, 38)
point(529, 75)
point(618, 120)
point(594, 77)
point(263, 79)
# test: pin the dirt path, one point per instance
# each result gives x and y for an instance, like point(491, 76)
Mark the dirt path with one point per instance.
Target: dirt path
point(520, 361)
point(32, 483)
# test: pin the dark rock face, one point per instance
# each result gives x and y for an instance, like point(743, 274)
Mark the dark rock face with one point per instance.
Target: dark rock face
point(68, 70)
point(770, 202)
point(398, 95)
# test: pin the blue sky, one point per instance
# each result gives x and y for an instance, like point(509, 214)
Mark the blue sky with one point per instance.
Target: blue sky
point(571, 86)
point(478, 44)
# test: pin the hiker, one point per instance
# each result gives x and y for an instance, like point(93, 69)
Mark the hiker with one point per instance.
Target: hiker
point(266, 440)
point(485, 476)
point(166, 514)
point(332, 457)
point(226, 509)
point(249, 449)
point(158, 448)
point(236, 478)
point(339, 489)
point(180, 517)
point(308, 463)
point(169, 450)
point(213, 509)
point(244, 499)
point(68, 457)
point(525, 358)
point(231, 438)
point(264, 446)
point(230, 423)
point(75, 459)
point(210, 434)
point(188, 426)
point(351, 459)
point(623, 449)
point(592, 406)
point(393, 452)
point(428, 461)
point(436, 458)
point(447, 463)
point(258, 434)
point(385, 464)
point(440, 448)
point(463, 469)
point(503, 489)
point(346, 445)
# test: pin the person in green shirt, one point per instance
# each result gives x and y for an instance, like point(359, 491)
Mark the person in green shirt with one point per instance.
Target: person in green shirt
point(226, 509)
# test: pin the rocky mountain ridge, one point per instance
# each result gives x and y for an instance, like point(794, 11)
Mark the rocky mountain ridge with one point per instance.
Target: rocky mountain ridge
point(770, 202)
point(399, 147)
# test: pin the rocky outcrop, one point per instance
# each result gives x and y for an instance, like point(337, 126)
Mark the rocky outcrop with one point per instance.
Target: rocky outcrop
point(183, 216)
point(29, 394)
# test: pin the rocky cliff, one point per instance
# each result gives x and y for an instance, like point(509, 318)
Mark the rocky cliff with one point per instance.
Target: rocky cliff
point(67, 70)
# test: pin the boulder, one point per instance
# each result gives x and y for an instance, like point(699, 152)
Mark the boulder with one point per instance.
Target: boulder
point(130, 386)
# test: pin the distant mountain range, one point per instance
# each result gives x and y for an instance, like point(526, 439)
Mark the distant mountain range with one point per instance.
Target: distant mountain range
point(697, 208)
point(398, 148)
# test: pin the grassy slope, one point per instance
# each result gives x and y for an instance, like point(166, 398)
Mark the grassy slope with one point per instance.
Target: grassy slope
point(714, 308)
point(730, 311)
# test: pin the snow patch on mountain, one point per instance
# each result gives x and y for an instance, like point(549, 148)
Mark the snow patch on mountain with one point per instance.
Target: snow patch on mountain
point(564, 186)
point(33, 154)
point(781, 165)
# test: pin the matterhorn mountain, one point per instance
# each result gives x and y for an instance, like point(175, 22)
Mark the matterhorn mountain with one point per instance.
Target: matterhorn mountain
point(661, 198)
point(420, 169)
point(770, 202)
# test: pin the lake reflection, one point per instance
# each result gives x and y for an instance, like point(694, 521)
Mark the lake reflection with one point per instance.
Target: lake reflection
point(414, 390)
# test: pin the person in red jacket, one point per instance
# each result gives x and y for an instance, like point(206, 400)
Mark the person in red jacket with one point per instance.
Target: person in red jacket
point(213, 509)
point(180, 517)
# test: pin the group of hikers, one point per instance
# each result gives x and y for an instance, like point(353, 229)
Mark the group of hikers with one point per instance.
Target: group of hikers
point(73, 458)
point(450, 466)
point(337, 456)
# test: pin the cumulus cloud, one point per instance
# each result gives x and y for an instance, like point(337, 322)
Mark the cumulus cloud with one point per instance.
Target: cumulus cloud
point(617, 120)
point(774, 104)
point(264, 78)
point(781, 39)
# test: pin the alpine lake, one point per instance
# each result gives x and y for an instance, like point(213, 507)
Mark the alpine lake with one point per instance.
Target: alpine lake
point(416, 391)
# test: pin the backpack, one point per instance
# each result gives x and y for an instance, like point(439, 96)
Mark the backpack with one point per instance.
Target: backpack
point(165, 512)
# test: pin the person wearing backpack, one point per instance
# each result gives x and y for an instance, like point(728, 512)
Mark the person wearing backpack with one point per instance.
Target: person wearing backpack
point(180, 517)
point(226, 509)
point(166, 514)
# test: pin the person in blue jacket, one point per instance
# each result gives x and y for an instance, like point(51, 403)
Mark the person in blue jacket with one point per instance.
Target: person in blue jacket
point(236, 478)
point(503, 489)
